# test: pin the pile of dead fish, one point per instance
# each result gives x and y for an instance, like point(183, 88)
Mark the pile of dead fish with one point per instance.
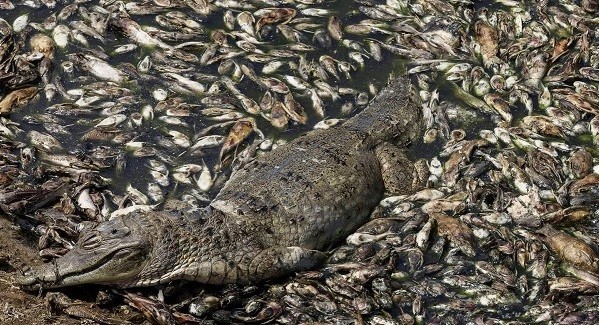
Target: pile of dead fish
point(180, 92)
point(151, 89)
point(20, 71)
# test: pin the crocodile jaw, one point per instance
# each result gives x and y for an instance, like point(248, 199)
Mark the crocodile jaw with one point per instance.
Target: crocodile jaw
point(114, 252)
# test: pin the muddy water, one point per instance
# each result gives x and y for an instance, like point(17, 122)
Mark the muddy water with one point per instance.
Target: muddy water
point(136, 172)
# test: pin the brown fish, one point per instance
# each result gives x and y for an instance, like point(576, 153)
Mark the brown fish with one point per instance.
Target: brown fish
point(274, 16)
point(488, 39)
point(239, 132)
point(16, 98)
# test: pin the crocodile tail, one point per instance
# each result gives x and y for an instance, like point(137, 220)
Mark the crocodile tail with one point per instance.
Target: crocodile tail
point(393, 115)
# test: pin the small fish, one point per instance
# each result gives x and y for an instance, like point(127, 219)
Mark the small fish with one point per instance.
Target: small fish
point(334, 28)
point(275, 85)
point(207, 141)
point(136, 34)
point(488, 39)
point(179, 138)
point(98, 67)
point(274, 16)
point(294, 109)
point(317, 103)
point(278, 116)
point(186, 85)
point(19, 24)
point(246, 22)
point(16, 98)
point(61, 35)
point(44, 141)
point(205, 180)
point(571, 249)
point(328, 123)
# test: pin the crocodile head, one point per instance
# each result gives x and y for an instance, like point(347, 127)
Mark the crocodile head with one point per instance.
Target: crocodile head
point(113, 252)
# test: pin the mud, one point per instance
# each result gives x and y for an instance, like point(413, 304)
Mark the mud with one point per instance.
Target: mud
point(20, 307)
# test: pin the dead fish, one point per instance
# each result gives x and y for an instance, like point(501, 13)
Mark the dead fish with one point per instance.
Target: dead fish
point(456, 232)
point(329, 64)
point(60, 35)
point(274, 16)
point(187, 85)
point(98, 67)
point(317, 103)
point(560, 47)
point(85, 29)
point(179, 138)
point(6, 5)
point(208, 141)
point(16, 98)
point(334, 28)
point(500, 106)
point(488, 39)
point(44, 141)
point(275, 85)
point(571, 249)
point(19, 24)
point(238, 133)
point(294, 109)
point(111, 121)
point(543, 125)
point(246, 22)
point(205, 180)
point(153, 310)
point(535, 68)
point(278, 116)
point(136, 34)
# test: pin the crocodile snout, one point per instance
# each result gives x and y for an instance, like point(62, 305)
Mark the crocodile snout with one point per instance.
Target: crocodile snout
point(38, 278)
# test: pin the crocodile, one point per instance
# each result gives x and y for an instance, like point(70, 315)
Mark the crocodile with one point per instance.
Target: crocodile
point(276, 215)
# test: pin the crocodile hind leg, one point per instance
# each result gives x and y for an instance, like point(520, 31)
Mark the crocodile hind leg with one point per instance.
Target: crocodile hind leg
point(397, 170)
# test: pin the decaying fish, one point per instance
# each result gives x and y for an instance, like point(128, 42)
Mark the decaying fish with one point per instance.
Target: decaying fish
point(510, 97)
point(571, 249)
point(16, 98)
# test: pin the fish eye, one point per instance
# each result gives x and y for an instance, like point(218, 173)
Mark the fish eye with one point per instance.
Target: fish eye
point(113, 231)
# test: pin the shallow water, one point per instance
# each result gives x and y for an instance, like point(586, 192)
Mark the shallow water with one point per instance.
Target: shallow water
point(471, 121)
point(136, 171)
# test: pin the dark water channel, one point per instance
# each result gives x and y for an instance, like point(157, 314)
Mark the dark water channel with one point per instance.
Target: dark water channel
point(374, 75)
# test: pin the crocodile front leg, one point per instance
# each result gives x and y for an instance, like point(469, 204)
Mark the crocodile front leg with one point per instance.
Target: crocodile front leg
point(397, 170)
point(217, 248)
point(278, 261)
point(246, 266)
